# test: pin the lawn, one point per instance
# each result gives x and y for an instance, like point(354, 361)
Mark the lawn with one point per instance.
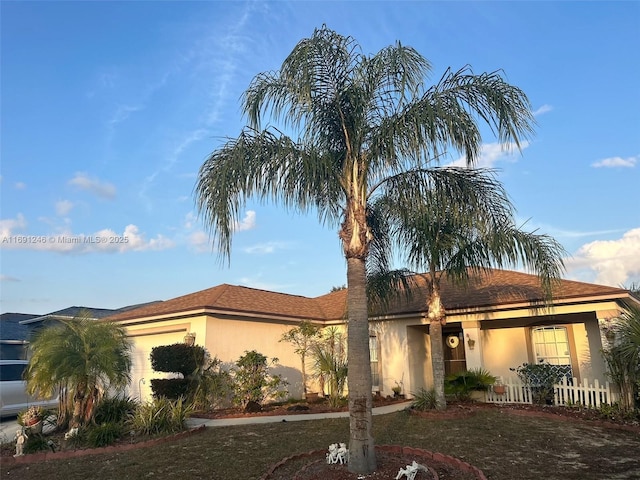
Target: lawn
point(505, 445)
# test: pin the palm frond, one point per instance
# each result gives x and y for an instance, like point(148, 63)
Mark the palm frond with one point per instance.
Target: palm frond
point(264, 165)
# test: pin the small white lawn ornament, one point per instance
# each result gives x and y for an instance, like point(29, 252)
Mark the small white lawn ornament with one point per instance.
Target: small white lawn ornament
point(342, 456)
point(21, 439)
point(338, 453)
point(411, 471)
point(71, 433)
point(331, 454)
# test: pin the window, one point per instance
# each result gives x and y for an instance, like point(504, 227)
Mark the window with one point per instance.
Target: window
point(12, 372)
point(551, 345)
point(375, 372)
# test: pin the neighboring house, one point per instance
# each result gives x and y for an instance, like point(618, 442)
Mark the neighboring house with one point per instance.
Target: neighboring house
point(16, 329)
point(497, 322)
point(14, 335)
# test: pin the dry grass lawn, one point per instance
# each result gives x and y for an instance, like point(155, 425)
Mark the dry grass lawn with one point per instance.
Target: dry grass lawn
point(506, 446)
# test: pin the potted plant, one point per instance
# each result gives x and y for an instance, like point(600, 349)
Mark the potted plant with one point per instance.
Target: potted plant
point(499, 388)
point(469, 384)
point(397, 390)
point(32, 419)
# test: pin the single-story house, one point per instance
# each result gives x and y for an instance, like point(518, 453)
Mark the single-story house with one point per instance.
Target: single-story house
point(499, 321)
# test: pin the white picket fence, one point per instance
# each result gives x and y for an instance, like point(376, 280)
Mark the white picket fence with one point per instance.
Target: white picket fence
point(567, 392)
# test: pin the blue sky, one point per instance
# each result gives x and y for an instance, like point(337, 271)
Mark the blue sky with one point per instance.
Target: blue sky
point(110, 108)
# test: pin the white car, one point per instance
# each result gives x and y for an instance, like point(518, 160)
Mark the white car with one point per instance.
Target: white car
point(13, 389)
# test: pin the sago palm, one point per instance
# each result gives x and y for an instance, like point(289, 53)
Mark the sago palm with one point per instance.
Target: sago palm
point(83, 356)
point(364, 125)
point(458, 235)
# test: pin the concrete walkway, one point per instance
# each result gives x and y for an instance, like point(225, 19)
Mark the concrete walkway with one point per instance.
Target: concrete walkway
point(224, 422)
point(9, 426)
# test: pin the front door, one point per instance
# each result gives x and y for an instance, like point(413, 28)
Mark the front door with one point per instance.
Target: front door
point(454, 359)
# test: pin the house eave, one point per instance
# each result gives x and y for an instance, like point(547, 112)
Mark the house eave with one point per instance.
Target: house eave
point(212, 312)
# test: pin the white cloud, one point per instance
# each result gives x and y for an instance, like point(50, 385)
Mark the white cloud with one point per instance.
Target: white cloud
point(265, 248)
point(63, 207)
point(171, 160)
point(65, 241)
point(492, 153)
point(20, 185)
point(122, 113)
point(189, 220)
point(261, 285)
point(93, 185)
point(613, 162)
point(542, 110)
point(247, 223)
point(8, 227)
point(610, 262)
point(200, 241)
point(7, 278)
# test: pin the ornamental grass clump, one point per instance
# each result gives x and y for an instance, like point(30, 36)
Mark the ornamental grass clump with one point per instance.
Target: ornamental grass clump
point(424, 400)
point(160, 416)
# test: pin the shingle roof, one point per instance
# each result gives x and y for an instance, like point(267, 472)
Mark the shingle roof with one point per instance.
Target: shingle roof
point(73, 312)
point(12, 329)
point(499, 287)
point(235, 299)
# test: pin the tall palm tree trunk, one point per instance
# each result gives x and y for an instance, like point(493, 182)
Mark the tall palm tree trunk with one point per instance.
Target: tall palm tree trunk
point(362, 457)
point(436, 320)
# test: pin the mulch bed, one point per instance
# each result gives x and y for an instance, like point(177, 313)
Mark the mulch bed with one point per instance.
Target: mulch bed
point(390, 460)
point(301, 408)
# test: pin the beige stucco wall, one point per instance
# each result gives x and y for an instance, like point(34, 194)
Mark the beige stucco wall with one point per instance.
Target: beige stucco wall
point(506, 348)
point(404, 355)
point(503, 349)
point(226, 339)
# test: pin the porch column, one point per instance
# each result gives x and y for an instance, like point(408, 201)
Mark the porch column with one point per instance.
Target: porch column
point(472, 345)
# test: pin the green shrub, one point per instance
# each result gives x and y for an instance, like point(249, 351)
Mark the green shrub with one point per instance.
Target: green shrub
point(617, 411)
point(214, 386)
point(105, 434)
point(461, 384)
point(36, 442)
point(541, 378)
point(187, 360)
point(178, 358)
point(424, 399)
point(252, 380)
point(171, 388)
point(160, 416)
point(114, 409)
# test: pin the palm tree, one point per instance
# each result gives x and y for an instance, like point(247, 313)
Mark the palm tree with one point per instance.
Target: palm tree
point(366, 126)
point(457, 236)
point(82, 358)
point(624, 357)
